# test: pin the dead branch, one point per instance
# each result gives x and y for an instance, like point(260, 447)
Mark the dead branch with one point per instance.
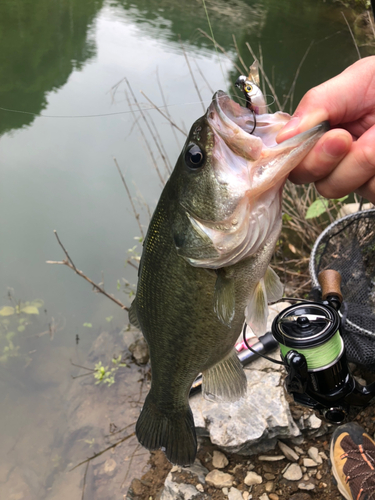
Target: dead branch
point(221, 48)
point(103, 451)
point(136, 214)
point(173, 126)
point(192, 76)
point(69, 263)
point(163, 114)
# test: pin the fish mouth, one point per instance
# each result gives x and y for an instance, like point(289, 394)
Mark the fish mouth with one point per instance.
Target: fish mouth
point(231, 113)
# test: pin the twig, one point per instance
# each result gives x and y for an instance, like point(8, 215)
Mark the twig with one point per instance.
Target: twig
point(221, 48)
point(145, 138)
point(147, 125)
point(165, 116)
point(204, 78)
point(128, 261)
point(103, 451)
point(130, 463)
point(166, 108)
point(239, 55)
point(84, 480)
point(351, 32)
point(192, 76)
point(292, 88)
point(69, 263)
point(165, 158)
point(136, 214)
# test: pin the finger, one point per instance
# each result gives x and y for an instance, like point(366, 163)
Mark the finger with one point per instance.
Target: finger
point(355, 169)
point(333, 101)
point(368, 190)
point(323, 158)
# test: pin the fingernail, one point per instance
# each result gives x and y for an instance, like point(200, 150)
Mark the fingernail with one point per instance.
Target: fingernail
point(337, 146)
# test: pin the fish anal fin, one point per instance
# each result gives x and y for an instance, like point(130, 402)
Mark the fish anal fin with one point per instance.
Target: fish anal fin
point(173, 432)
point(273, 286)
point(133, 317)
point(224, 299)
point(256, 311)
point(225, 381)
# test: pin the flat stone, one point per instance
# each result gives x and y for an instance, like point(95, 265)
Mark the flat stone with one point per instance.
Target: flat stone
point(252, 478)
point(293, 473)
point(251, 425)
point(288, 452)
point(313, 453)
point(264, 497)
point(308, 462)
point(219, 479)
point(269, 487)
point(219, 460)
point(234, 494)
point(273, 496)
point(299, 450)
point(271, 458)
point(246, 495)
point(323, 455)
point(306, 486)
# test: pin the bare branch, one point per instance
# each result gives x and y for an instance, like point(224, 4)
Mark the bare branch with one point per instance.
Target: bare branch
point(192, 75)
point(136, 214)
point(161, 112)
point(68, 262)
point(221, 48)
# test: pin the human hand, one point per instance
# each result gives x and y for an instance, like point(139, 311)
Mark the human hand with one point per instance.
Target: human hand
point(343, 160)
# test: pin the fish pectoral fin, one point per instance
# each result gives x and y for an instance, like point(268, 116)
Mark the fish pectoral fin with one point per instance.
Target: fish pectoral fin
point(224, 299)
point(133, 317)
point(273, 286)
point(225, 381)
point(256, 311)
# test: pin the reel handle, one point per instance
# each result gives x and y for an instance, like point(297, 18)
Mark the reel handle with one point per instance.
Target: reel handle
point(330, 281)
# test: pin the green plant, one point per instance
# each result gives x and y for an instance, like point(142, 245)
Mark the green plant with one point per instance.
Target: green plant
point(105, 374)
point(14, 320)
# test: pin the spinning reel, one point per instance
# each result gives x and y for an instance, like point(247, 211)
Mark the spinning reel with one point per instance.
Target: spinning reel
point(313, 352)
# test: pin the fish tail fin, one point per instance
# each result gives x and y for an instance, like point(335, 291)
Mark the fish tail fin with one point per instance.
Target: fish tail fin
point(172, 431)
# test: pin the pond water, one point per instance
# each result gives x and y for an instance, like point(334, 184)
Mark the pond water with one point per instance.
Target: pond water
point(66, 113)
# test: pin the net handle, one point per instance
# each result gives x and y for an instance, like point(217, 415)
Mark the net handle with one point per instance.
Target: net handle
point(330, 281)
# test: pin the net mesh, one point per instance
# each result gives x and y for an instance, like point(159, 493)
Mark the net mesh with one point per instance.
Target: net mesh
point(348, 246)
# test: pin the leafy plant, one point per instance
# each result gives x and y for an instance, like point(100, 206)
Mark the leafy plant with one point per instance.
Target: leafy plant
point(14, 320)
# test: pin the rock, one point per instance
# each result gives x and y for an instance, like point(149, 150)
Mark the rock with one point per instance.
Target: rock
point(313, 453)
point(175, 487)
point(246, 495)
point(234, 494)
point(252, 478)
point(273, 496)
point(269, 487)
point(351, 208)
point(313, 422)
point(264, 497)
point(109, 466)
point(269, 476)
point(271, 458)
point(219, 460)
point(323, 455)
point(306, 486)
point(308, 462)
point(299, 450)
point(251, 425)
point(219, 479)
point(288, 452)
point(139, 350)
point(293, 473)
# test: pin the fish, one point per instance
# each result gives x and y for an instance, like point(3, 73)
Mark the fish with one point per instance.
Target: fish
point(204, 268)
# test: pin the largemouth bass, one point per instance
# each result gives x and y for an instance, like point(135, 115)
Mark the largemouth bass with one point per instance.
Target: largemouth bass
point(205, 264)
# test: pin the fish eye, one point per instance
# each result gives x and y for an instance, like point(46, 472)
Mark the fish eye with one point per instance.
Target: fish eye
point(248, 88)
point(194, 157)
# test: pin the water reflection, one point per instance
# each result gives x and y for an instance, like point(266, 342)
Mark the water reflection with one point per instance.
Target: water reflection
point(62, 58)
point(42, 43)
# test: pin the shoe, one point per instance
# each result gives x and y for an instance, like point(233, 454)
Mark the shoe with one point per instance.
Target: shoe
point(353, 462)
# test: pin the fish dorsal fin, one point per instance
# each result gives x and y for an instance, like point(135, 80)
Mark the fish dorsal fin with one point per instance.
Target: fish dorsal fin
point(133, 317)
point(274, 287)
point(256, 311)
point(224, 298)
point(254, 73)
point(225, 381)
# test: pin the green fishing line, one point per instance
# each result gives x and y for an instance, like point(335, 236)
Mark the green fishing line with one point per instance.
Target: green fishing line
point(318, 357)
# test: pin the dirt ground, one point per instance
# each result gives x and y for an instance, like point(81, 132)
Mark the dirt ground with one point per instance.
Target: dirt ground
point(150, 485)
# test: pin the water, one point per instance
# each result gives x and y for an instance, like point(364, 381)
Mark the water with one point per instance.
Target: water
point(61, 61)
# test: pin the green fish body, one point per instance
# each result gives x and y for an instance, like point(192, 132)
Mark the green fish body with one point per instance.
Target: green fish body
point(205, 265)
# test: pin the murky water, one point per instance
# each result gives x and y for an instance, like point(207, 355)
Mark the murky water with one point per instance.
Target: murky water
point(62, 66)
